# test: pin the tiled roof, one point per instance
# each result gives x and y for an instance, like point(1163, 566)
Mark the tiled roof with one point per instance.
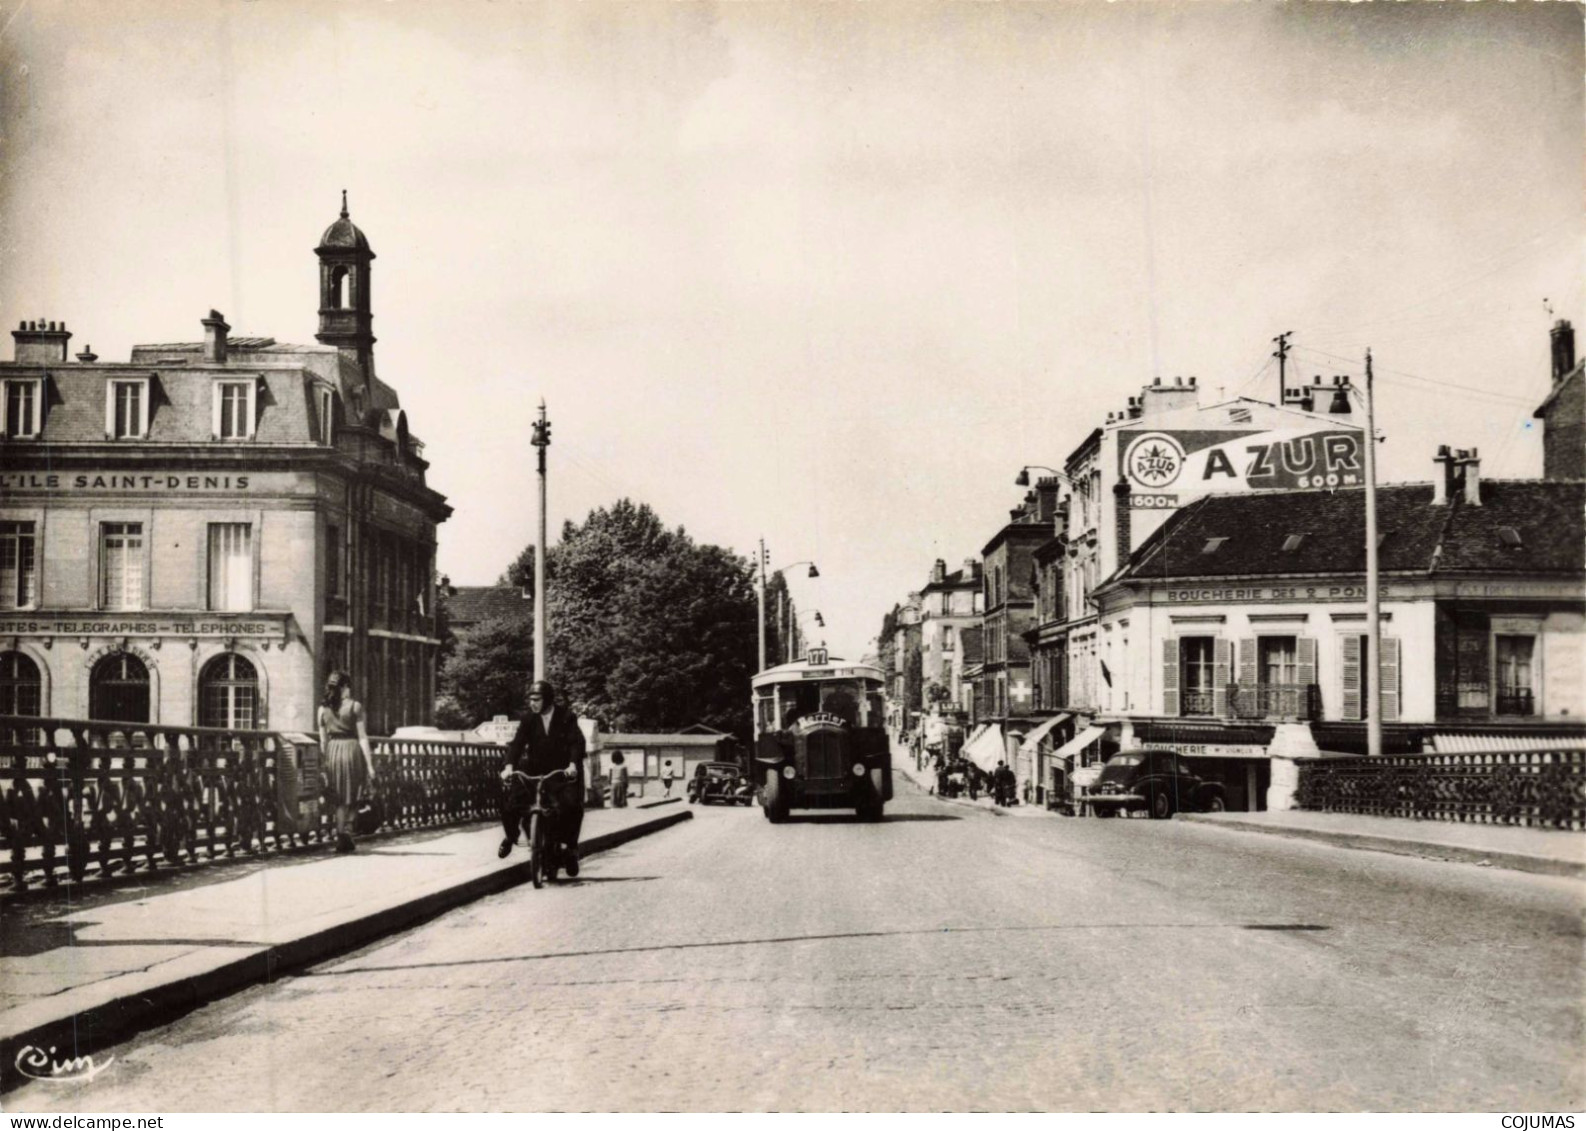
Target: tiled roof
point(470, 605)
point(1522, 526)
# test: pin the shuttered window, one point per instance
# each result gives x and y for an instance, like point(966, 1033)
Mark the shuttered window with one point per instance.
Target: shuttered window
point(230, 566)
point(121, 565)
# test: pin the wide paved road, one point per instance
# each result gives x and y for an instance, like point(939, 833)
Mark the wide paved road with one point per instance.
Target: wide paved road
point(943, 959)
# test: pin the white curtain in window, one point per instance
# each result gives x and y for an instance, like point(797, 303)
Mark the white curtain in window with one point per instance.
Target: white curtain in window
point(121, 565)
point(230, 566)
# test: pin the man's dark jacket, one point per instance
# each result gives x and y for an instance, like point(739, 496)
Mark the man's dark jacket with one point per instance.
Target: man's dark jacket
point(535, 752)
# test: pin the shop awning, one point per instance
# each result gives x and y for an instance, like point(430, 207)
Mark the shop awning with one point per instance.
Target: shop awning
point(986, 749)
point(1493, 743)
point(1033, 739)
point(1081, 740)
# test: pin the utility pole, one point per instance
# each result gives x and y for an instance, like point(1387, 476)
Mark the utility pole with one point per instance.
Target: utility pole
point(541, 440)
point(1282, 355)
point(1372, 664)
point(760, 569)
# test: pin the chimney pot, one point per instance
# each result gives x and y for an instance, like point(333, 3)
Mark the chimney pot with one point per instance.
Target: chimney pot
point(41, 343)
point(1471, 466)
point(215, 329)
point(1563, 349)
point(1156, 382)
point(1443, 477)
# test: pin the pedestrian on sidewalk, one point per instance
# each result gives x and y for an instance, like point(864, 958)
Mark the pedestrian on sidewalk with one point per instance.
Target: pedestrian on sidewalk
point(348, 763)
point(619, 781)
point(667, 776)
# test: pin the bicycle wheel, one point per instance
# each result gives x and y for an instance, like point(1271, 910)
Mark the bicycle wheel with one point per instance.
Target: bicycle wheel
point(536, 850)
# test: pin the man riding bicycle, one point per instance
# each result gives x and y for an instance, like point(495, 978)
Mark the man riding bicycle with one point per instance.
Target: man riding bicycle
point(548, 739)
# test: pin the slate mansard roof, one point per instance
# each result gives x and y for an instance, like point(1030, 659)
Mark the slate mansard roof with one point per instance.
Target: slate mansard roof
point(1533, 527)
point(181, 396)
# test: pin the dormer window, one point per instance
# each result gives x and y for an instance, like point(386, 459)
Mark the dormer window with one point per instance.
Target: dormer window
point(1293, 542)
point(1213, 545)
point(325, 404)
point(22, 410)
point(234, 409)
point(1510, 537)
point(127, 408)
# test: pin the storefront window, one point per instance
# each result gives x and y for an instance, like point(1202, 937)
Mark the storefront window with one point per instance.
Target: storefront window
point(229, 694)
point(21, 689)
point(1515, 689)
point(118, 689)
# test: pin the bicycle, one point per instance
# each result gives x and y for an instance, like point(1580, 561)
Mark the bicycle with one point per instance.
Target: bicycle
point(542, 864)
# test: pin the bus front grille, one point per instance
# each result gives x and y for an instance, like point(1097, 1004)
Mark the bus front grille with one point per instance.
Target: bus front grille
point(822, 756)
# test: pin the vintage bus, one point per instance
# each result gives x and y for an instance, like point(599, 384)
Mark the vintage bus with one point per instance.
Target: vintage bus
point(820, 739)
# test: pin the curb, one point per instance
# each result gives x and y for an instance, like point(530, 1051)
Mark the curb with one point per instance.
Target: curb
point(661, 801)
point(92, 1017)
point(1398, 846)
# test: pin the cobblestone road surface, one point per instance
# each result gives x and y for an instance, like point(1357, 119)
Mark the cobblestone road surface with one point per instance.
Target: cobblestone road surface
point(943, 959)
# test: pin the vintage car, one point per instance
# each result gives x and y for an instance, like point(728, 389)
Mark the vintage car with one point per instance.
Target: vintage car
point(719, 781)
point(1158, 781)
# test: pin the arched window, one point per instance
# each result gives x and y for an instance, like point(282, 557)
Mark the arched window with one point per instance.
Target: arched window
point(21, 689)
point(118, 690)
point(338, 288)
point(228, 693)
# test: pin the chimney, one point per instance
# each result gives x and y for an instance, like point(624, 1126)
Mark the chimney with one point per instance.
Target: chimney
point(88, 356)
point(1443, 477)
point(939, 572)
point(215, 338)
point(1340, 405)
point(40, 343)
point(1158, 397)
point(1121, 523)
point(1470, 463)
point(1046, 490)
point(1563, 349)
point(971, 569)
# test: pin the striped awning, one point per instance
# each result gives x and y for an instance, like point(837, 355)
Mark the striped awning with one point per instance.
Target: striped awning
point(986, 749)
point(1033, 739)
point(1501, 743)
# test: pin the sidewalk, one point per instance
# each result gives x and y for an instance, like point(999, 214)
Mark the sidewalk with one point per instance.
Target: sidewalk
point(80, 976)
point(1543, 851)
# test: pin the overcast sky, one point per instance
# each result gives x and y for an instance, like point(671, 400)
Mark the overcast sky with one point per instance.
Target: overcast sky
point(827, 273)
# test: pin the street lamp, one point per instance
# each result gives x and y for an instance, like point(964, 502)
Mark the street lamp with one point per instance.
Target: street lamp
point(763, 561)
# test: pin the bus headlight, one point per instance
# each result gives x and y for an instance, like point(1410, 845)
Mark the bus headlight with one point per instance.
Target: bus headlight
point(859, 769)
point(788, 772)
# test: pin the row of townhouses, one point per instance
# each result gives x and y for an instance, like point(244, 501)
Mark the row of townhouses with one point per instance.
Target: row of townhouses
point(1193, 576)
point(197, 535)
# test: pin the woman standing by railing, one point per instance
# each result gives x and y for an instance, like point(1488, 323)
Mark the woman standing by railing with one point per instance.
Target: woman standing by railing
point(348, 761)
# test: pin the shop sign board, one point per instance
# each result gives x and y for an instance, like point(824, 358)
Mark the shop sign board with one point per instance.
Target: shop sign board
point(1163, 466)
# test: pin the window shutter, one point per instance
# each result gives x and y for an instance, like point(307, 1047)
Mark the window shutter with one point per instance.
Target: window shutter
point(1247, 662)
point(110, 410)
point(1170, 677)
point(1350, 679)
point(1306, 648)
point(1222, 662)
point(217, 397)
point(1388, 673)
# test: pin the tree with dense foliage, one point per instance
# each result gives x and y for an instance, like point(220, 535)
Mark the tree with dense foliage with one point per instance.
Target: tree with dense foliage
point(648, 630)
point(486, 674)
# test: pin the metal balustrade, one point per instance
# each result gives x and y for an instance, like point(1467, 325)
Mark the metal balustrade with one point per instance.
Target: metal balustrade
point(1275, 701)
point(1537, 788)
point(92, 799)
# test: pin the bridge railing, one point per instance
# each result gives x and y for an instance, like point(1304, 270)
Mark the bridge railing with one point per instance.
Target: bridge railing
point(92, 799)
point(1535, 788)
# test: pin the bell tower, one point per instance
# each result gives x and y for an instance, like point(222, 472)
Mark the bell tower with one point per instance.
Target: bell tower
point(345, 320)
